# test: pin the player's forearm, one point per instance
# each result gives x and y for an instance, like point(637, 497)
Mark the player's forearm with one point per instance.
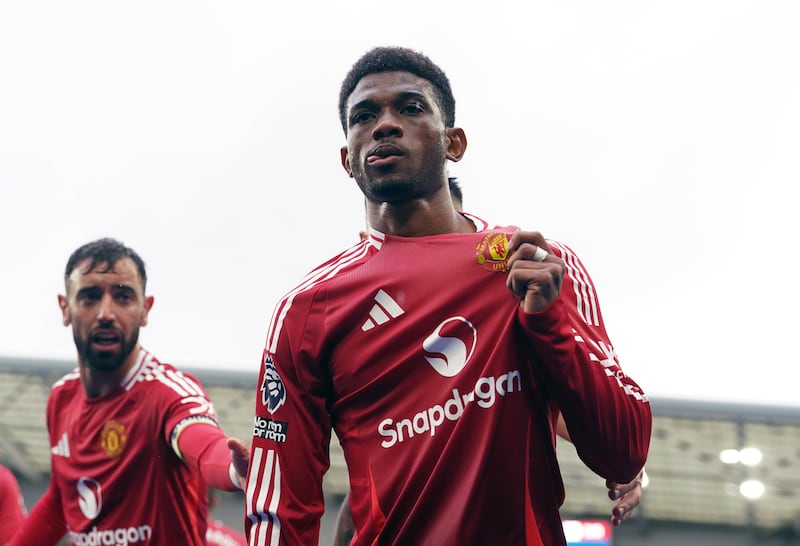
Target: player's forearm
point(608, 416)
point(44, 525)
point(284, 496)
point(11, 517)
point(289, 452)
point(205, 447)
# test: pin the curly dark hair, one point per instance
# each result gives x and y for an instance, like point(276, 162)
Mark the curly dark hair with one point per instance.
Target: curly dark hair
point(400, 59)
point(103, 251)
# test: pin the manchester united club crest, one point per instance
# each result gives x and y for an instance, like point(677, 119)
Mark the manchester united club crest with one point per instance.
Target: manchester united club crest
point(113, 439)
point(492, 252)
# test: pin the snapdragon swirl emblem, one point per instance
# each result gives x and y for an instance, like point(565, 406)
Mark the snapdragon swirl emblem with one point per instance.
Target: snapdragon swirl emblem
point(450, 346)
point(90, 499)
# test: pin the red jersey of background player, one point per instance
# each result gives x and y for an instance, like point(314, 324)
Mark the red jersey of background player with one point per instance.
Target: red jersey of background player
point(102, 450)
point(12, 506)
point(219, 534)
point(416, 352)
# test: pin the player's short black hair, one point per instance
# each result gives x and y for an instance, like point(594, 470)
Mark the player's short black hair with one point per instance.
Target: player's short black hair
point(399, 59)
point(104, 251)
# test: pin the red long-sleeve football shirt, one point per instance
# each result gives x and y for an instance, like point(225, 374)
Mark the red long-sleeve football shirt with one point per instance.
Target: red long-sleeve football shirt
point(442, 391)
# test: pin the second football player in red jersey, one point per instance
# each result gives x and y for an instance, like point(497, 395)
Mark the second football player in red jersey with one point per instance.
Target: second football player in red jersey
point(134, 441)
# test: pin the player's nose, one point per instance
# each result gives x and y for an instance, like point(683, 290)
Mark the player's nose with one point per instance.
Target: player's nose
point(388, 124)
point(106, 310)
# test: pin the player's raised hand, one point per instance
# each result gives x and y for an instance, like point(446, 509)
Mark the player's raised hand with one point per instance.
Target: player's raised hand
point(240, 458)
point(535, 273)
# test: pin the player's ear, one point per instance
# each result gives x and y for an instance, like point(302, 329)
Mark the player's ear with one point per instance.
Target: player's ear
point(456, 143)
point(346, 161)
point(63, 304)
point(148, 304)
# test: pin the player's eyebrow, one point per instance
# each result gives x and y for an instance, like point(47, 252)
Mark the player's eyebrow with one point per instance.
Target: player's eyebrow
point(121, 286)
point(403, 96)
point(87, 290)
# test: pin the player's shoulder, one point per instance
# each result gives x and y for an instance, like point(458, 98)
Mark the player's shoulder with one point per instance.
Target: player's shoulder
point(562, 250)
point(68, 381)
point(65, 392)
point(348, 259)
point(160, 378)
point(335, 268)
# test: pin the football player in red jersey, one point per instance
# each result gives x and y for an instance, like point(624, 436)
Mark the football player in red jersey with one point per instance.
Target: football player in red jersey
point(627, 495)
point(135, 442)
point(440, 349)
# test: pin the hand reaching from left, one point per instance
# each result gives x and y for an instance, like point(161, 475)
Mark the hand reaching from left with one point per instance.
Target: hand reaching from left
point(240, 459)
point(628, 497)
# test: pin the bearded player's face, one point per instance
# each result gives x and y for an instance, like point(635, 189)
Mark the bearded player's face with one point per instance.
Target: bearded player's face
point(106, 306)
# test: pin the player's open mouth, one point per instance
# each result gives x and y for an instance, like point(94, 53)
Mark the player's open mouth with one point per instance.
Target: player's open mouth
point(105, 339)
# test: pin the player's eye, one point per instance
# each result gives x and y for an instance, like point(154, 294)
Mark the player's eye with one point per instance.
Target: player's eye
point(360, 117)
point(88, 295)
point(123, 294)
point(413, 108)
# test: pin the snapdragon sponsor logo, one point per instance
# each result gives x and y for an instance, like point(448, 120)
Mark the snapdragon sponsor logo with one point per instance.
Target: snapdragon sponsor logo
point(112, 537)
point(270, 429)
point(485, 395)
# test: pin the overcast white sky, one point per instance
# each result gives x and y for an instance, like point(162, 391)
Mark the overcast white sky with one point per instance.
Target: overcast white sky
point(659, 139)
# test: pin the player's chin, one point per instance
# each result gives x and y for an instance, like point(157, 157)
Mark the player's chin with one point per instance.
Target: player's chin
point(105, 361)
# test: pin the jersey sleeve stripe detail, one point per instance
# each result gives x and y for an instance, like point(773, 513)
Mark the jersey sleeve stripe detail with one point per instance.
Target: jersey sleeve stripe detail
point(71, 376)
point(166, 380)
point(267, 487)
point(585, 297)
point(314, 278)
point(147, 368)
point(187, 384)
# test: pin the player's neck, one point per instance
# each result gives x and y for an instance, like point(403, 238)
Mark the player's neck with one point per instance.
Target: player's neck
point(97, 383)
point(423, 223)
point(432, 215)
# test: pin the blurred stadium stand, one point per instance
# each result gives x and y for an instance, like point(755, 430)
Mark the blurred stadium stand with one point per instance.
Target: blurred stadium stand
point(690, 487)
